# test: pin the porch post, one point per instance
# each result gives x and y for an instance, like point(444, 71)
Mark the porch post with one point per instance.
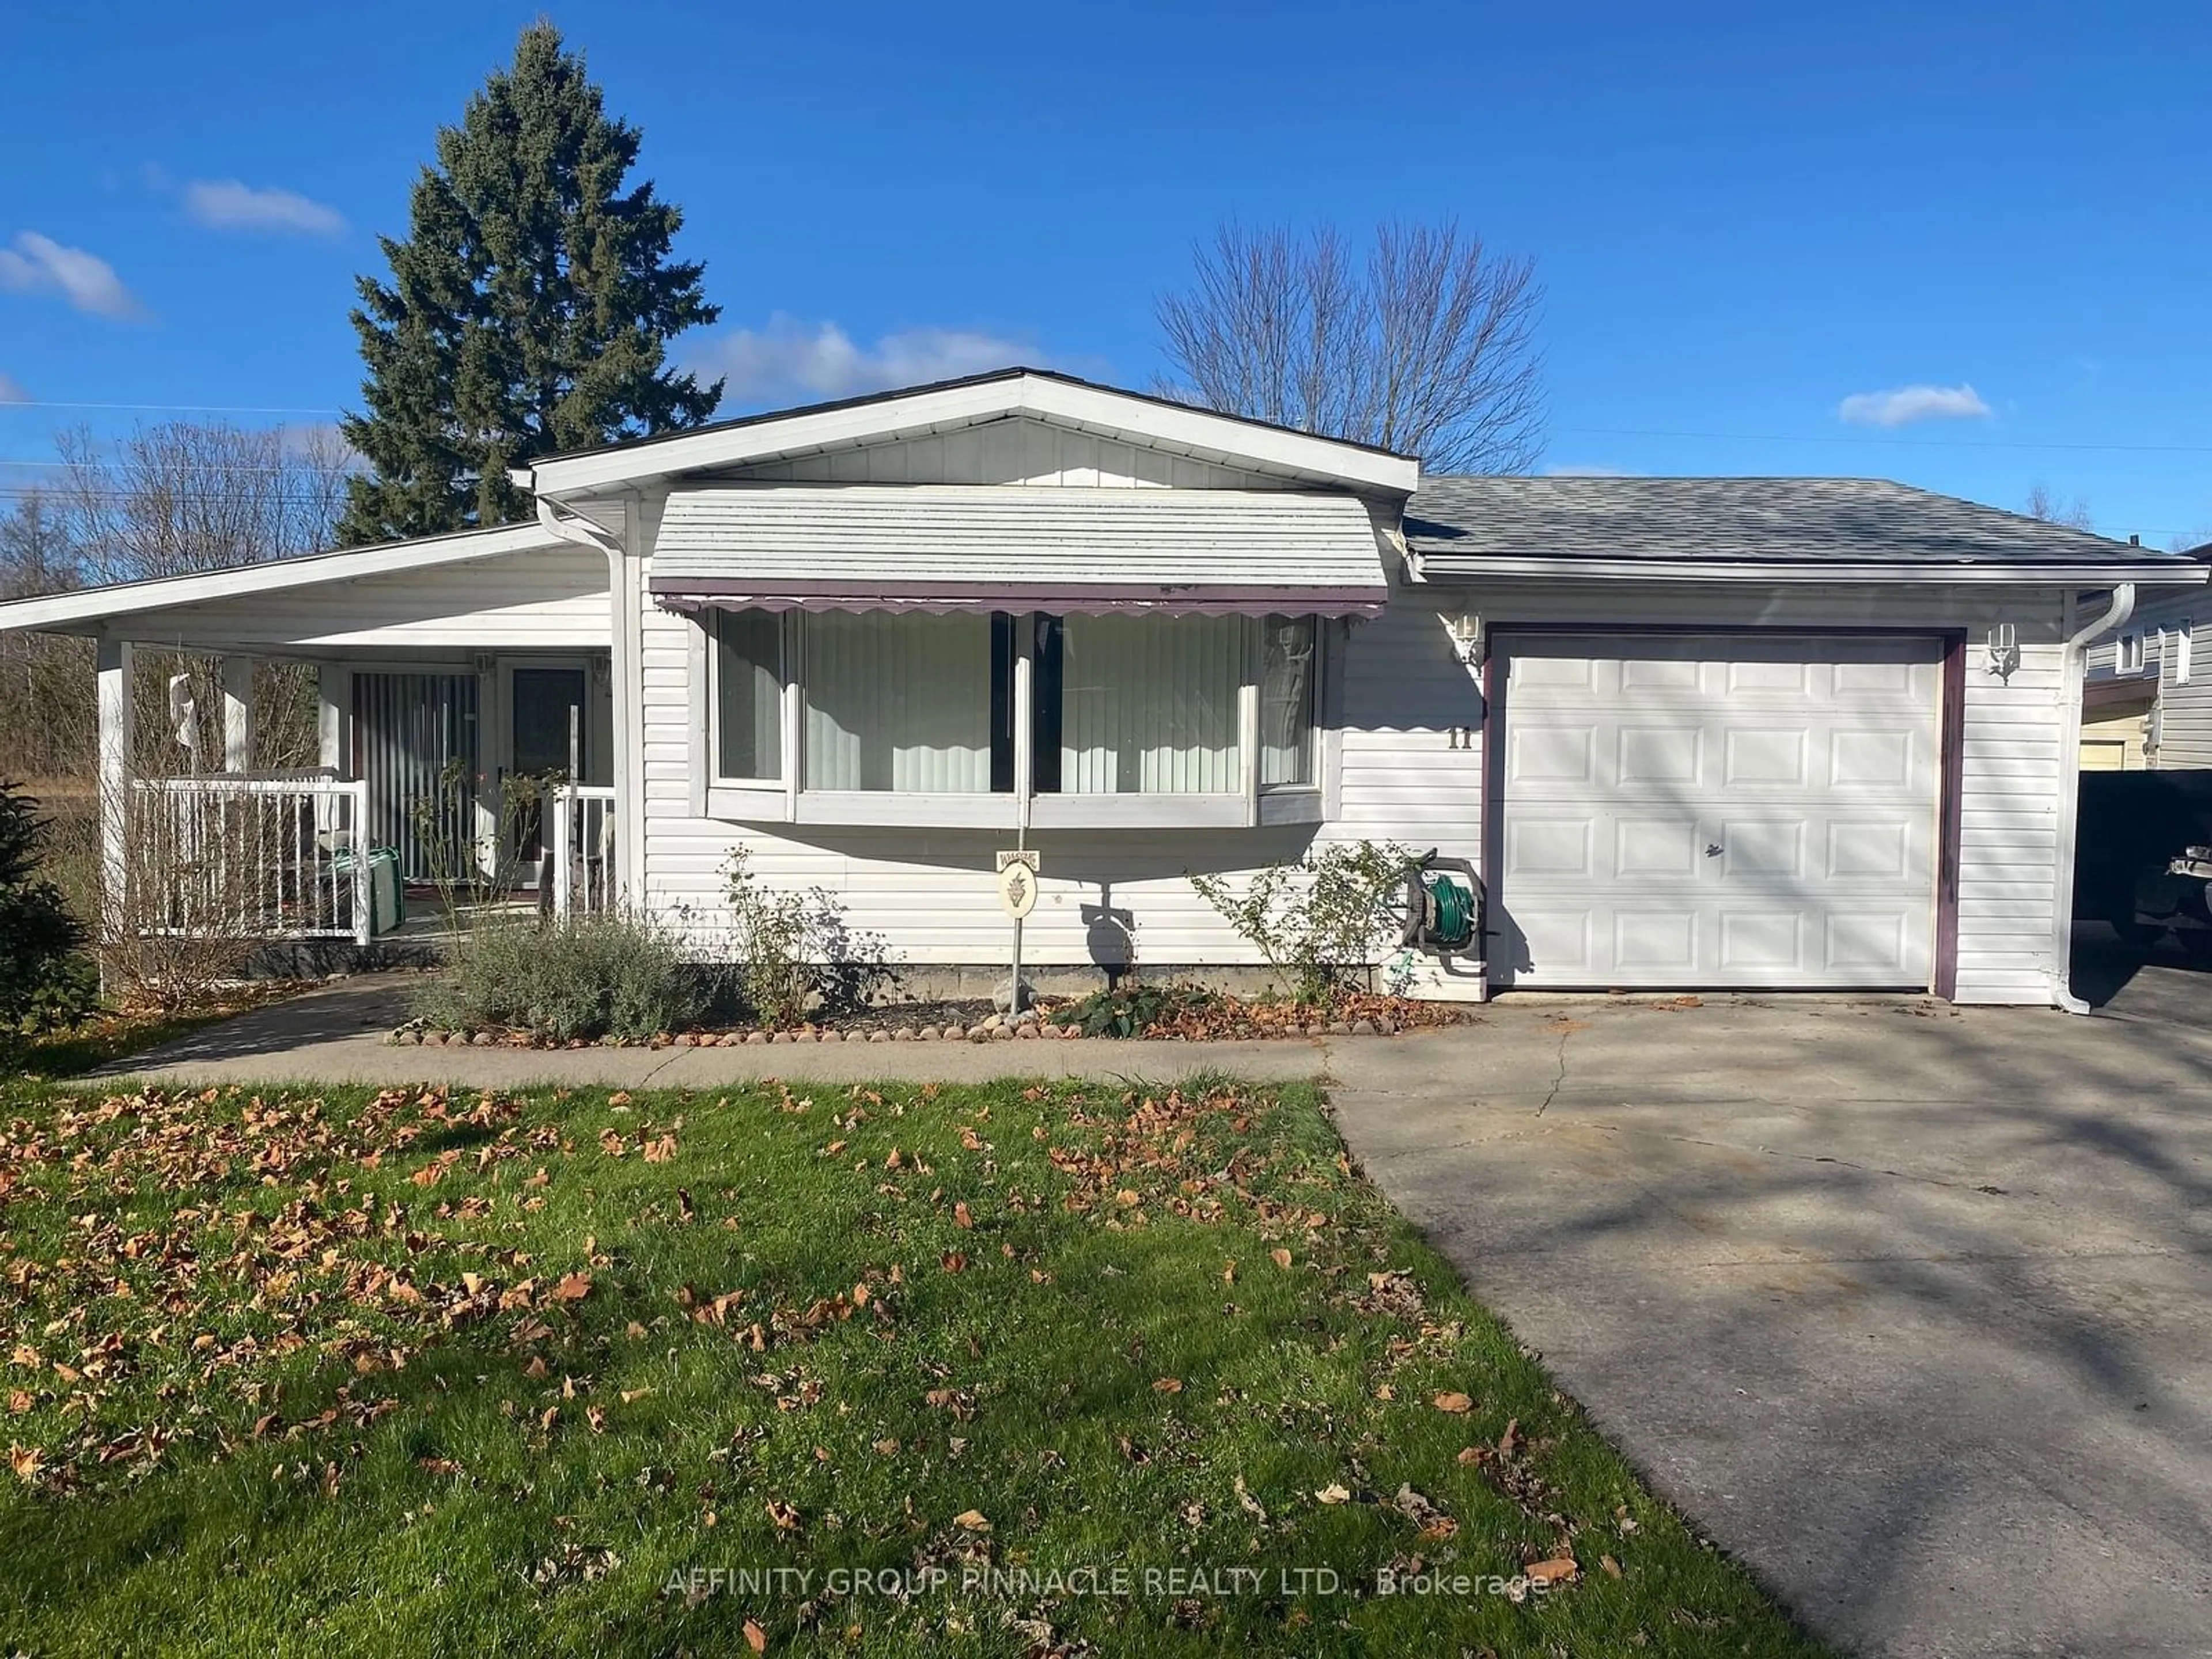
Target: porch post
point(238, 713)
point(115, 661)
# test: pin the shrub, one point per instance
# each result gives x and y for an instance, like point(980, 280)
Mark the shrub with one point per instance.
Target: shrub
point(1130, 1009)
point(794, 950)
point(1319, 919)
point(585, 977)
point(39, 937)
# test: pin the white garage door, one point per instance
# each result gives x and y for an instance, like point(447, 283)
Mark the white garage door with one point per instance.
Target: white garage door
point(1680, 812)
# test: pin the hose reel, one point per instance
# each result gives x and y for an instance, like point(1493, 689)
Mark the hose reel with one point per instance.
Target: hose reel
point(1443, 906)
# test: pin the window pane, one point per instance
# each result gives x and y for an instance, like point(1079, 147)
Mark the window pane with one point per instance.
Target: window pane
point(1148, 704)
point(898, 702)
point(1286, 701)
point(747, 694)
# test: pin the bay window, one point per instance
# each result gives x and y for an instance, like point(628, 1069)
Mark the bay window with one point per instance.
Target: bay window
point(1122, 718)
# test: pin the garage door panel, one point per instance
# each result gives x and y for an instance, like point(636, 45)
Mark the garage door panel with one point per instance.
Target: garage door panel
point(1869, 848)
point(1655, 941)
point(1658, 755)
point(1715, 810)
point(1762, 943)
point(1645, 847)
point(1765, 756)
point(1552, 754)
point(1549, 846)
point(1756, 849)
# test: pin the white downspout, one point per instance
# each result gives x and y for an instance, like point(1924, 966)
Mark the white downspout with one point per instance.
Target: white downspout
point(2069, 754)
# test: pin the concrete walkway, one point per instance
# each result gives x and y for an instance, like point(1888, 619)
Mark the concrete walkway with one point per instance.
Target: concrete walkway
point(1903, 1305)
point(336, 1035)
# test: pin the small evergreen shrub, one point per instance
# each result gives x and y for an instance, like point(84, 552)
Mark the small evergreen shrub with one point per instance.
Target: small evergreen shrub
point(583, 977)
point(41, 977)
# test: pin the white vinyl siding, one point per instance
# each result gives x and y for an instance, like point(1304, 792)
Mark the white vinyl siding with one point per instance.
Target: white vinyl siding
point(1149, 704)
point(898, 702)
point(1018, 450)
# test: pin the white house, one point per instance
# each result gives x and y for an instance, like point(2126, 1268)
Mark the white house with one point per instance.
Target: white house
point(1694, 732)
point(2147, 696)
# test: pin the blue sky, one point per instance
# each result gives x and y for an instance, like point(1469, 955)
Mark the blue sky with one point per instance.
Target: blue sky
point(1744, 216)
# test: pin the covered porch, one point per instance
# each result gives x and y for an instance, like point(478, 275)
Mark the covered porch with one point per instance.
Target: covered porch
point(442, 788)
point(352, 745)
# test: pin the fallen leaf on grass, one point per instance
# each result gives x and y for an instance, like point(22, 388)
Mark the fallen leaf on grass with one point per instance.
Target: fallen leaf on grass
point(1612, 1567)
point(1510, 1439)
point(1559, 1570)
point(973, 1520)
point(952, 1261)
point(1279, 1256)
point(1457, 1404)
point(786, 1515)
point(755, 1638)
point(961, 1216)
point(573, 1287)
point(1168, 1385)
point(1334, 1494)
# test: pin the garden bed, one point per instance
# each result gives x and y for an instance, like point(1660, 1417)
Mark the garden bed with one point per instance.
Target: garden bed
point(1180, 1013)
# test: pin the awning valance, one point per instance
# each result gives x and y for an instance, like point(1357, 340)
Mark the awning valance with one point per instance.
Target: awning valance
point(1018, 547)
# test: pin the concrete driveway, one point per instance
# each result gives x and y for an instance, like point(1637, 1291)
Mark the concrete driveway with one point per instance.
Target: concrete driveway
point(1909, 1307)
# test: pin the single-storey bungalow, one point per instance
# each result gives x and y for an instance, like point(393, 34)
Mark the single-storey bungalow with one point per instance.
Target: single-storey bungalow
point(1810, 734)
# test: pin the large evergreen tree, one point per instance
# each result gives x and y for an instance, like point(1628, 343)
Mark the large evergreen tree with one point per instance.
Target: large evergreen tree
point(529, 310)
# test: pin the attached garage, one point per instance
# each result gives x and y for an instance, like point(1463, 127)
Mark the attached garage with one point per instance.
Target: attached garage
point(1688, 811)
point(1771, 733)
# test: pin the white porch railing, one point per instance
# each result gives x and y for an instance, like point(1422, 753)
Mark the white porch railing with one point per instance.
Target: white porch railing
point(245, 856)
point(582, 843)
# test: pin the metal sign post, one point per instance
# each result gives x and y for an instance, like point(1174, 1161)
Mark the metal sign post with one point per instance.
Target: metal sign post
point(1017, 893)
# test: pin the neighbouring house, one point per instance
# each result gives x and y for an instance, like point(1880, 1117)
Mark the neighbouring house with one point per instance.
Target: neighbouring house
point(1755, 732)
point(2146, 698)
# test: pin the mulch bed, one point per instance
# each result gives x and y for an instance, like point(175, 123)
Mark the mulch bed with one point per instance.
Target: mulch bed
point(1219, 1020)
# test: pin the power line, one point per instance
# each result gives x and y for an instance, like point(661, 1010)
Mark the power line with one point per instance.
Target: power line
point(168, 409)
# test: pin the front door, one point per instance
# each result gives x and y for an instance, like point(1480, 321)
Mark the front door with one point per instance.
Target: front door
point(550, 728)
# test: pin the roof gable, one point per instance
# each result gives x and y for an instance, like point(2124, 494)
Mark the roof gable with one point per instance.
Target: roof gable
point(1058, 400)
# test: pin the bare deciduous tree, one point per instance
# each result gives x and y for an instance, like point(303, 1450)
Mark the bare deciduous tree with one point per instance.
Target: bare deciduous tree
point(2043, 503)
point(1425, 345)
point(186, 496)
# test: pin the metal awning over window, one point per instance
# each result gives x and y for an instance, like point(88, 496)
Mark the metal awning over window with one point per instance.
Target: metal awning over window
point(1063, 549)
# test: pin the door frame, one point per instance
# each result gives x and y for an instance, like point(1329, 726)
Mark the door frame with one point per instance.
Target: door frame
point(1950, 770)
point(495, 699)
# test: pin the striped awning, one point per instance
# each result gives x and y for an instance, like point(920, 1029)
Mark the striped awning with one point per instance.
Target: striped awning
point(1018, 547)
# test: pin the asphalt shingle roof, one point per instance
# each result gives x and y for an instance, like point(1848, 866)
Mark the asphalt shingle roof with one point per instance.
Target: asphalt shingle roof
point(1457, 522)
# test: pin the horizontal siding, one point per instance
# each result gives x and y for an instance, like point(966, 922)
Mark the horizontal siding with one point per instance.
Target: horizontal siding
point(1018, 535)
point(553, 598)
point(1018, 450)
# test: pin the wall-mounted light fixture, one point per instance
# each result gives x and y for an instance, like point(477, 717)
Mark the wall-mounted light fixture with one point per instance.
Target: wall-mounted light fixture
point(2004, 651)
point(1466, 636)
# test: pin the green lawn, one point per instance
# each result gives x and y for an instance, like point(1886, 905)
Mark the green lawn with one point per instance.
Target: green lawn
point(571, 1372)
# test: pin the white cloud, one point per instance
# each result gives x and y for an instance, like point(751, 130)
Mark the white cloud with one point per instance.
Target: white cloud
point(788, 359)
point(227, 205)
point(11, 390)
point(1908, 403)
point(33, 263)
